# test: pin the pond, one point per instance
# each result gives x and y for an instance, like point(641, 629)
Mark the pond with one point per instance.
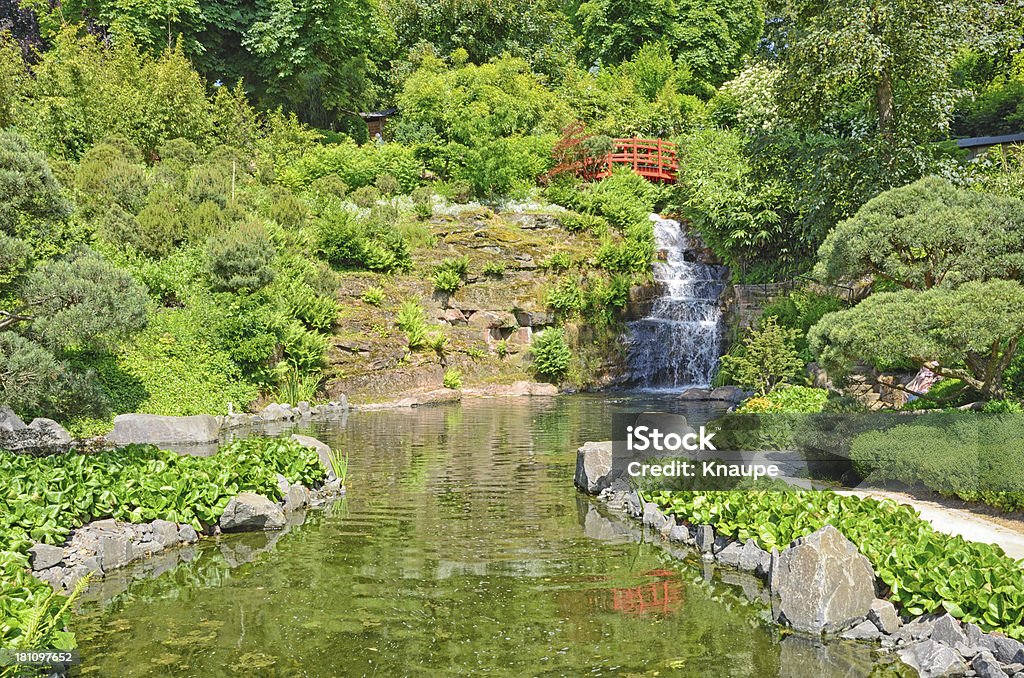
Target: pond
point(461, 548)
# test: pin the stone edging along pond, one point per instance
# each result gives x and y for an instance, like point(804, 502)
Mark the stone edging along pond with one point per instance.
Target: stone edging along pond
point(819, 584)
point(102, 546)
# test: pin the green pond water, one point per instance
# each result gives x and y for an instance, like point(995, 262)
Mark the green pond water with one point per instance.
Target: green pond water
point(461, 548)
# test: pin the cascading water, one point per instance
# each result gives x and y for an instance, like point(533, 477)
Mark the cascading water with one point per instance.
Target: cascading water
point(678, 343)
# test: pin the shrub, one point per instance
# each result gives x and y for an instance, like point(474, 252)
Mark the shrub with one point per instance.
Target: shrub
point(789, 400)
point(574, 222)
point(566, 297)
point(239, 260)
point(957, 454)
point(446, 280)
point(347, 241)
point(374, 296)
point(558, 261)
point(494, 269)
point(423, 202)
point(768, 358)
point(452, 379)
point(410, 319)
point(387, 185)
point(551, 354)
point(365, 196)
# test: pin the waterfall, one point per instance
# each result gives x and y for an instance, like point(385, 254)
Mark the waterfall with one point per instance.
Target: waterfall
point(678, 343)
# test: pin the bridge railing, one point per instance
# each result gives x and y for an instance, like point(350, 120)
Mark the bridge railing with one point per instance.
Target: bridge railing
point(652, 159)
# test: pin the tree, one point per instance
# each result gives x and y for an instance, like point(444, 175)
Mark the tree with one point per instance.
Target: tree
point(710, 38)
point(537, 31)
point(887, 60)
point(30, 197)
point(767, 360)
point(969, 333)
point(928, 234)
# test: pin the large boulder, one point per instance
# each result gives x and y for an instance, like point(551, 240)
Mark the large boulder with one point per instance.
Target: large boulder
point(249, 512)
point(594, 467)
point(157, 429)
point(323, 451)
point(9, 421)
point(822, 583)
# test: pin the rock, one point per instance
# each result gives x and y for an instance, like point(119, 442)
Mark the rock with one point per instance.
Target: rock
point(986, 666)
point(454, 316)
point(947, 631)
point(487, 320)
point(974, 634)
point(754, 558)
point(680, 533)
point(50, 432)
point(113, 551)
point(305, 411)
point(152, 428)
point(277, 412)
point(917, 629)
point(282, 484)
point(533, 318)
point(45, 556)
point(333, 487)
point(187, 534)
point(883, 615)
point(634, 506)
point(932, 659)
point(823, 582)
point(731, 394)
point(248, 511)
point(164, 532)
point(865, 630)
point(705, 538)
point(9, 421)
point(1006, 650)
point(297, 498)
point(653, 517)
point(594, 467)
point(323, 451)
point(730, 555)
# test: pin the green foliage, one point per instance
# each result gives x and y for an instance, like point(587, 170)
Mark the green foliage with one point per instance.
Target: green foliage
point(712, 40)
point(240, 260)
point(357, 166)
point(48, 497)
point(928, 234)
point(970, 333)
point(494, 269)
point(786, 400)
point(964, 455)
point(447, 280)
point(339, 463)
point(551, 354)
point(347, 240)
point(924, 571)
point(768, 359)
point(800, 311)
point(293, 386)
point(423, 202)
point(411, 320)
point(374, 296)
point(574, 222)
point(452, 379)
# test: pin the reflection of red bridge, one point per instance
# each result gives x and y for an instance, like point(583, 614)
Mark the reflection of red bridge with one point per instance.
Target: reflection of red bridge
point(653, 159)
point(660, 596)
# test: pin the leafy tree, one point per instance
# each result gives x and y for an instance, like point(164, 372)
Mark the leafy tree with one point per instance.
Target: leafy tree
point(969, 333)
point(711, 38)
point(537, 31)
point(887, 60)
point(928, 234)
point(768, 358)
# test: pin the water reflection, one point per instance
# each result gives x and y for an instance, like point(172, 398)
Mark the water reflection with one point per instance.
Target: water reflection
point(461, 549)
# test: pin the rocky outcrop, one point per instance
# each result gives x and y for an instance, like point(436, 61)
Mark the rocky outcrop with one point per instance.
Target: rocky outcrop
point(157, 429)
point(249, 511)
point(823, 583)
point(594, 467)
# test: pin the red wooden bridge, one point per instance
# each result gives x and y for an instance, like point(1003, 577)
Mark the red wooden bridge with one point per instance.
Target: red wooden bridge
point(653, 159)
